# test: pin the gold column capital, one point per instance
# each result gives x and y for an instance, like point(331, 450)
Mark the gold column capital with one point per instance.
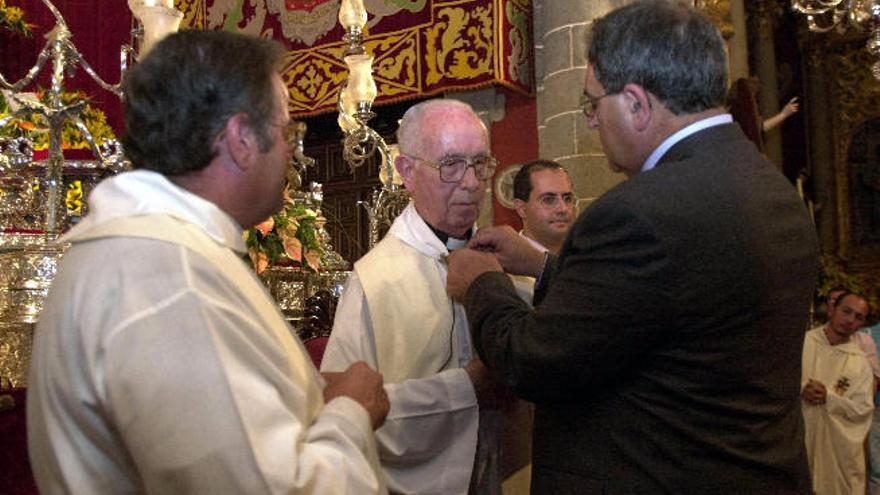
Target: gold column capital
point(719, 12)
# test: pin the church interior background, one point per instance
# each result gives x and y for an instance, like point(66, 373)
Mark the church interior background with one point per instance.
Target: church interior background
point(519, 63)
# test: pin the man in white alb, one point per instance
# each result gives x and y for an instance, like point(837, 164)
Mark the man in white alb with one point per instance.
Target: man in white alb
point(396, 316)
point(160, 364)
point(837, 393)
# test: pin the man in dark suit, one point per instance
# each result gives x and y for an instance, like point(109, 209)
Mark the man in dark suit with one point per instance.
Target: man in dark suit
point(663, 354)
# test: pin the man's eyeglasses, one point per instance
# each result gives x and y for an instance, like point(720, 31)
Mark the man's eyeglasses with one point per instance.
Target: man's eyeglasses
point(453, 168)
point(288, 131)
point(550, 200)
point(590, 103)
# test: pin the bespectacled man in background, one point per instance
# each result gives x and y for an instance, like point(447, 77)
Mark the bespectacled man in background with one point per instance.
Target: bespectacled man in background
point(545, 202)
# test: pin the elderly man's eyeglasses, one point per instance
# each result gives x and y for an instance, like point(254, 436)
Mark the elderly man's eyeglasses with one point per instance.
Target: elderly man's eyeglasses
point(453, 168)
point(590, 103)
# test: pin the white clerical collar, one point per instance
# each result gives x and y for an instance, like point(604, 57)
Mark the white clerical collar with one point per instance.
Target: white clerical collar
point(697, 126)
point(453, 243)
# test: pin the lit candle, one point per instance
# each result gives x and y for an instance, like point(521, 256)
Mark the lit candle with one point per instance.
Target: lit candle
point(134, 5)
point(361, 85)
point(352, 13)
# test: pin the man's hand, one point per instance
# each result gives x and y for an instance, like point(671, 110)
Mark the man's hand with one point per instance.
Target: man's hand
point(490, 393)
point(814, 392)
point(465, 265)
point(515, 253)
point(360, 383)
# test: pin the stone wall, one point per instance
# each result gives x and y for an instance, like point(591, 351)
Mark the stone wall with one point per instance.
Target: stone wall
point(561, 28)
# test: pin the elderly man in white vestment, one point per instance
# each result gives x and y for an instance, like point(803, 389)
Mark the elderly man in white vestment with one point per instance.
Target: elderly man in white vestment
point(837, 393)
point(395, 314)
point(160, 363)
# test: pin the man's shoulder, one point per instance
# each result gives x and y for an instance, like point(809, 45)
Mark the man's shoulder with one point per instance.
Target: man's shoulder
point(389, 246)
point(112, 253)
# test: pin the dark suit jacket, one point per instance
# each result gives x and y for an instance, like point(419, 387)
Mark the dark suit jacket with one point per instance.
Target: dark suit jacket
point(665, 353)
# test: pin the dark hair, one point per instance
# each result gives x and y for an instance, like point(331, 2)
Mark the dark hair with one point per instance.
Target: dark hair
point(847, 293)
point(522, 181)
point(671, 50)
point(180, 96)
point(839, 288)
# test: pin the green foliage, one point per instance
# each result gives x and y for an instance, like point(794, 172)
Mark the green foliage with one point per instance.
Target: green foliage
point(12, 19)
point(289, 236)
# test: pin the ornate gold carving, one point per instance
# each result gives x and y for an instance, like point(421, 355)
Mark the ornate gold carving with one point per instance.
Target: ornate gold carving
point(719, 12)
point(193, 13)
point(857, 100)
point(395, 65)
point(439, 44)
point(459, 44)
point(16, 340)
point(816, 54)
point(75, 199)
point(312, 80)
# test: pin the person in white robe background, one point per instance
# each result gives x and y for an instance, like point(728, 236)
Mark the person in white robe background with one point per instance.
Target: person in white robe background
point(837, 392)
point(160, 363)
point(395, 315)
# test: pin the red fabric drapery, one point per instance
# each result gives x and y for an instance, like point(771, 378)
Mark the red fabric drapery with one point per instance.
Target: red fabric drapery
point(420, 47)
point(99, 29)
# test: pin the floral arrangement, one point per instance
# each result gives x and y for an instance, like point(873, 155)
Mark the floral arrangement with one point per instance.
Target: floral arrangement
point(288, 237)
point(12, 19)
point(35, 128)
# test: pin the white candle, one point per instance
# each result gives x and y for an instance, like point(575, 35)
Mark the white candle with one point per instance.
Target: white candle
point(158, 23)
point(361, 85)
point(352, 13)
point(137, 4)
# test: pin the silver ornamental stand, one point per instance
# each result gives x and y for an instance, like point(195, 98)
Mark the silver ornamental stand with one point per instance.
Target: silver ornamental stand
point(33, 205)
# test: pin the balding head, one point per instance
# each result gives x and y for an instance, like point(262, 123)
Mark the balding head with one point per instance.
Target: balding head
point(436, 132)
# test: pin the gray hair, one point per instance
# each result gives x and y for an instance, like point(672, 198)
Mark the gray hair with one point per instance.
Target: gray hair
point(180, 96)
point(670, 49)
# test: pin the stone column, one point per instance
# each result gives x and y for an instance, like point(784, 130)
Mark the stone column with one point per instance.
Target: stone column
point(738, 50)
point(489, 106)
point(821, 141)
point(763, 15)
point(561, 28)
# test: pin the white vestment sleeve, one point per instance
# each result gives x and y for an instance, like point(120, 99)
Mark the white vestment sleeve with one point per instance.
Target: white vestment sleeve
point(432, 424)
point(210, 404)
point(856, 405)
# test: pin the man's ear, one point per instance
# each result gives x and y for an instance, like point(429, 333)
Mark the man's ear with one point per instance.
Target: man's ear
point(520, 207)
point(241, 141)
point(638, 103)
point(406, 167)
